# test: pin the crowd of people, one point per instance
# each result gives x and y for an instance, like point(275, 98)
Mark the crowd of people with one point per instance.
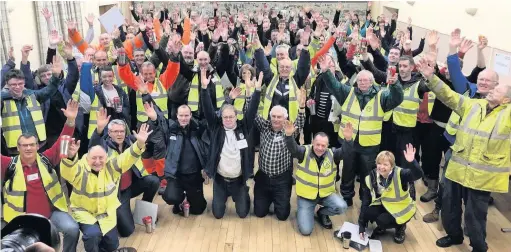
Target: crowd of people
point(148, 114)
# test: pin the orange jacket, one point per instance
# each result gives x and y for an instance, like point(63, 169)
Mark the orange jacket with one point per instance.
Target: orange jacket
point(167, 79)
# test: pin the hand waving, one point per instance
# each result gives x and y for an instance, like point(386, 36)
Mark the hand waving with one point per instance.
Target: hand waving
point(347, 131)
point(235, 92)
point(102, 119)
point(426, 68)
point(204, 79)
point(56, 66)
point(150, 112)
point(71, 110)
point(259, 81)
point(73, 148)
point(409, 153)
point(289, 128)
point(142, 135)
point(466, 45)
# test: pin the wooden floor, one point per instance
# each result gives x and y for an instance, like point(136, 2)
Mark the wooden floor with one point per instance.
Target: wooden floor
point(205, 233)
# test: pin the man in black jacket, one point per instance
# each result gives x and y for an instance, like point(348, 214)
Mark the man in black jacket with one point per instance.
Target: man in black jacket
point(229, 158)
point(184, 160)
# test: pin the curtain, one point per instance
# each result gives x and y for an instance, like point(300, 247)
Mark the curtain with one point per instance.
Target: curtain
point(5, 34)
point(61, 13)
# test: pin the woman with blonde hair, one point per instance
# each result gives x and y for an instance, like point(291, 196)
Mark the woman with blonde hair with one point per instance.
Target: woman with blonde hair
point(385, 197)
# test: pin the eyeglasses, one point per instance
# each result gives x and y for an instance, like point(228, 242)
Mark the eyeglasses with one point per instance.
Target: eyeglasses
point(486, 80)
point(228, 117)
point(25, 146)
point(16, 85)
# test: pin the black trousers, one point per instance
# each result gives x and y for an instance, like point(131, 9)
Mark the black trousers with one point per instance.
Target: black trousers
point(358, 164)
point(236, 188)
point(307, 128)
point(429, 139)
point(381, 216)
point(189, 185)
point(401, 138)
point(147, 185)
point(438, 200)
point(276, 190)
point(476, 212)
point(386, 137)
point(318, 124)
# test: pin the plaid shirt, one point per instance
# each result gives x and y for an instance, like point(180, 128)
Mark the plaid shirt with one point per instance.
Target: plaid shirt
point(274, 157)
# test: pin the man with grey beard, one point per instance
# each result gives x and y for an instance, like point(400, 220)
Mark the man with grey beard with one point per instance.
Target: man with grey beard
point(179, 91)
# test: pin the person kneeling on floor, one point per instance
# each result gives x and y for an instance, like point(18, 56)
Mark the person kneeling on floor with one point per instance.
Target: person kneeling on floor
point(385, 197)
point(315, 177)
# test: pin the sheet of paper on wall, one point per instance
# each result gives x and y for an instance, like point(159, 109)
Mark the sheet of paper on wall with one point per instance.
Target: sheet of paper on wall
point(502, 63)
point(112, 18)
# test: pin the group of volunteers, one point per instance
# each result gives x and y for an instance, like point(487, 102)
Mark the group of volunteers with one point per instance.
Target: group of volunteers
point(149, 113)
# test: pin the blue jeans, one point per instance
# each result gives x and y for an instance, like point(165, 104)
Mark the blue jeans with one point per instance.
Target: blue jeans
point(332, 205)
point(66, 225)
point(95, 241)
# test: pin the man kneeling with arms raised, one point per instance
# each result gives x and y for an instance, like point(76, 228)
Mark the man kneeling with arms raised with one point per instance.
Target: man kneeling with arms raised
point(315, 177)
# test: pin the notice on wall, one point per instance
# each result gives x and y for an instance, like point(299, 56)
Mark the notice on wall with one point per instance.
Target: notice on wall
point(502, 63)
point(112, 19)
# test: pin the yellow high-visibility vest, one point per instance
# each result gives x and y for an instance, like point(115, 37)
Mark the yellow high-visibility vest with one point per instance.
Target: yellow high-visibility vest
point(139, 165)
point(367, 123)
point(396, 201)
point(293, 100)
point(118, 81)
point(159, 96)
point(15, 193)
point(11, 126)
point(405, 115)
point(239, 102)
point(193, 95)
point(95, 197)
point(313, 181)
point(454, 120)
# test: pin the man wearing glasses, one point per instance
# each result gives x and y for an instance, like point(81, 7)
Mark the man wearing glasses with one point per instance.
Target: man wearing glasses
point(31, 184)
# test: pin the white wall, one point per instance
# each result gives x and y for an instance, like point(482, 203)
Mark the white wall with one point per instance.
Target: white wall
point(23, 28)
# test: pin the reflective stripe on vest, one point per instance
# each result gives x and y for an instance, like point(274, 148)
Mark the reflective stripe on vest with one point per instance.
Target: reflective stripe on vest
point(405, 115)
point(454, 120)
point(15, 198)
point(159, 97)
point(431, 102)
point(239, 103)
point(138, 165)
point(11, 125)
point(480, 155)
point(293, 102)
point(396, 201)
point(118, 81)
point(367, 122)
point(312, 180)
point(193, 95)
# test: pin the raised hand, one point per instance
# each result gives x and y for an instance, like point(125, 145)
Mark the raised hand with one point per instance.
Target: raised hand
point(455, 40)
point(102, 119)
point(56, 66)
point(71, 110)
point(347, 131)
point(142, 135)
point(68, 50)
point(409, 153)
point(139, 9)
point(11, 54)
point(432, 39)
point(141, 85)
point(204, 79)
point(426, 68)
point(25, 51)
point(73, 148)
point(465, 46)
point(46, 13)
point(483, 42)
point(323, 64)
point(289, 128)
point(391, 77)
point(259, 81)
point(90, 19)
point(302, 97)
point(54, 38)
point(268, 48)
point(150, 112)
point(71, 25)
point(235, 92)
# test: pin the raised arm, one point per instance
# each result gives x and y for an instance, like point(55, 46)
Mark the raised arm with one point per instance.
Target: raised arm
point(339, 90)
point(122, 163)
point(44, 94)
point(205, 100)
point(296, 151)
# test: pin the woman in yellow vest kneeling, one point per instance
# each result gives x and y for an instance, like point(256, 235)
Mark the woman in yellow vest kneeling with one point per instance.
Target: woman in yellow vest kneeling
point(385, 197)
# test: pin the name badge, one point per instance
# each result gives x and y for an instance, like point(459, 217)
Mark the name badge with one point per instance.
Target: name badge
point(277, 139)
point(172, 137)
point(155, 93)
point(33, 177)
point(286, 87)
point(242, 144)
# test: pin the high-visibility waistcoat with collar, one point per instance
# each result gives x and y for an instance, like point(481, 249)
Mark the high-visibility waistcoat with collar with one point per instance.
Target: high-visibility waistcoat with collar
point(11, 126)
point(405, 115)
point(396, 201)
point(139, 171)
point(454, 120)
point(431, 102)
point(159, 95)
point(15, 193)
point(313, 181)
point(95, 197)
point(367, 123)
point(193, 95)
point(239, 102)
point(388, 114)
point(480, 155)
point(293, 100)
point(93, 117)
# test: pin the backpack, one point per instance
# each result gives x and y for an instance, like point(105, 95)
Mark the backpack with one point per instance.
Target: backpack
point(9, 173)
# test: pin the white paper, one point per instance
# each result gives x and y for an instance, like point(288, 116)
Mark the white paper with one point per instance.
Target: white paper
point(375, 246)
point(143, 209)
point(353, 229)
point(502, 63)
point(242, 144)
point(111, 18)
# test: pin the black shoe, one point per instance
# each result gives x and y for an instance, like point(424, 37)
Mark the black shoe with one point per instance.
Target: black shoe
point(399, 235)
point(492, 200)
point(349, 202)
point(377, 232)
point(294, 181)
point(324, 221)
point(177, 209)
point(448, 241)
point(125, 249)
